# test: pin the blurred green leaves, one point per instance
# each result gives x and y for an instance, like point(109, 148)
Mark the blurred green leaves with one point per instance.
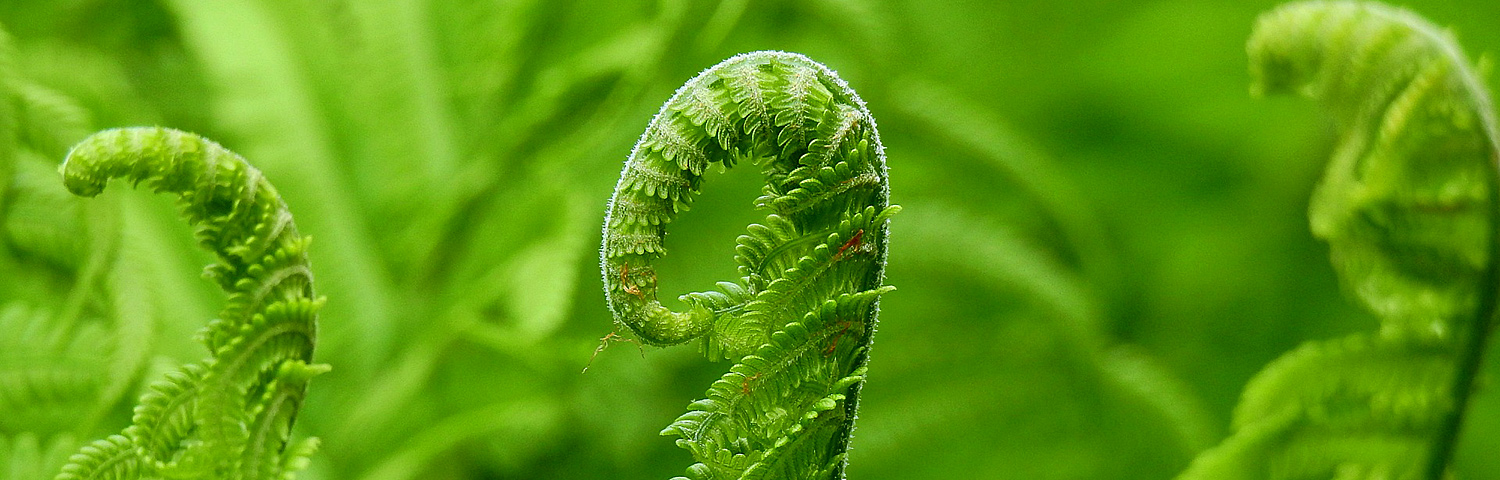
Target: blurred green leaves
point(1104, 236)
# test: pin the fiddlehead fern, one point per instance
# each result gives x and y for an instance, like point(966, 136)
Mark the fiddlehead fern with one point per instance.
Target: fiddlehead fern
point(231, 415)
point(1408, 208)
point(798, 323)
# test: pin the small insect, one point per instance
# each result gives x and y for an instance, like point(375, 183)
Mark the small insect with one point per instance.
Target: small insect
point(854, 242)
point(604, 343)
point(745, 385)
point(625, 282)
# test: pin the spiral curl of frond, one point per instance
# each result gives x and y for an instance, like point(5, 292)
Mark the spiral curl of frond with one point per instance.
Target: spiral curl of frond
point(231, 415)
point(798, 322)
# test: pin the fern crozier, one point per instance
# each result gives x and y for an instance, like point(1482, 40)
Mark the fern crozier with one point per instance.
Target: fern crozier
point(799, 320)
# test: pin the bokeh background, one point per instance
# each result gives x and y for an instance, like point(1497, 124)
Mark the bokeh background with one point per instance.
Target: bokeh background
point(1104, 235)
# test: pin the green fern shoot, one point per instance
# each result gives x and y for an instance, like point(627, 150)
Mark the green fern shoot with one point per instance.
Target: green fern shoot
point(1408, 208)
point(230, 416)
point(799, 320)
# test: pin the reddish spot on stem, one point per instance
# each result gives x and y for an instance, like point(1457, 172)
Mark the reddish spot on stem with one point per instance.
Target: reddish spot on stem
point(854, 242)
point(834, 345)
point(745, 385)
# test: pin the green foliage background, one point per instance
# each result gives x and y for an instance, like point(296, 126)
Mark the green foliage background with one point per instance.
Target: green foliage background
point(1104, 235)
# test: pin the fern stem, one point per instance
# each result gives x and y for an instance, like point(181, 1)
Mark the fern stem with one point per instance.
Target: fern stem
point(1472, 356)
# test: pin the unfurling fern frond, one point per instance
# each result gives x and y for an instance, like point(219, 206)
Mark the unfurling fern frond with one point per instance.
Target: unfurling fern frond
point(1408, 208)
point(798, 323)
point(231, 416)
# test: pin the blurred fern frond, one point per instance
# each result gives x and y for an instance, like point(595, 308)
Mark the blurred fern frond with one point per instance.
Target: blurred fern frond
point(1408, 208)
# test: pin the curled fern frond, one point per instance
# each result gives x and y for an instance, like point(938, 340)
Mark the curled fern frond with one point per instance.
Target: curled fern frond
point(798, 322)
point(1404, 204)
point(231, 416)
point(1408, 208)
